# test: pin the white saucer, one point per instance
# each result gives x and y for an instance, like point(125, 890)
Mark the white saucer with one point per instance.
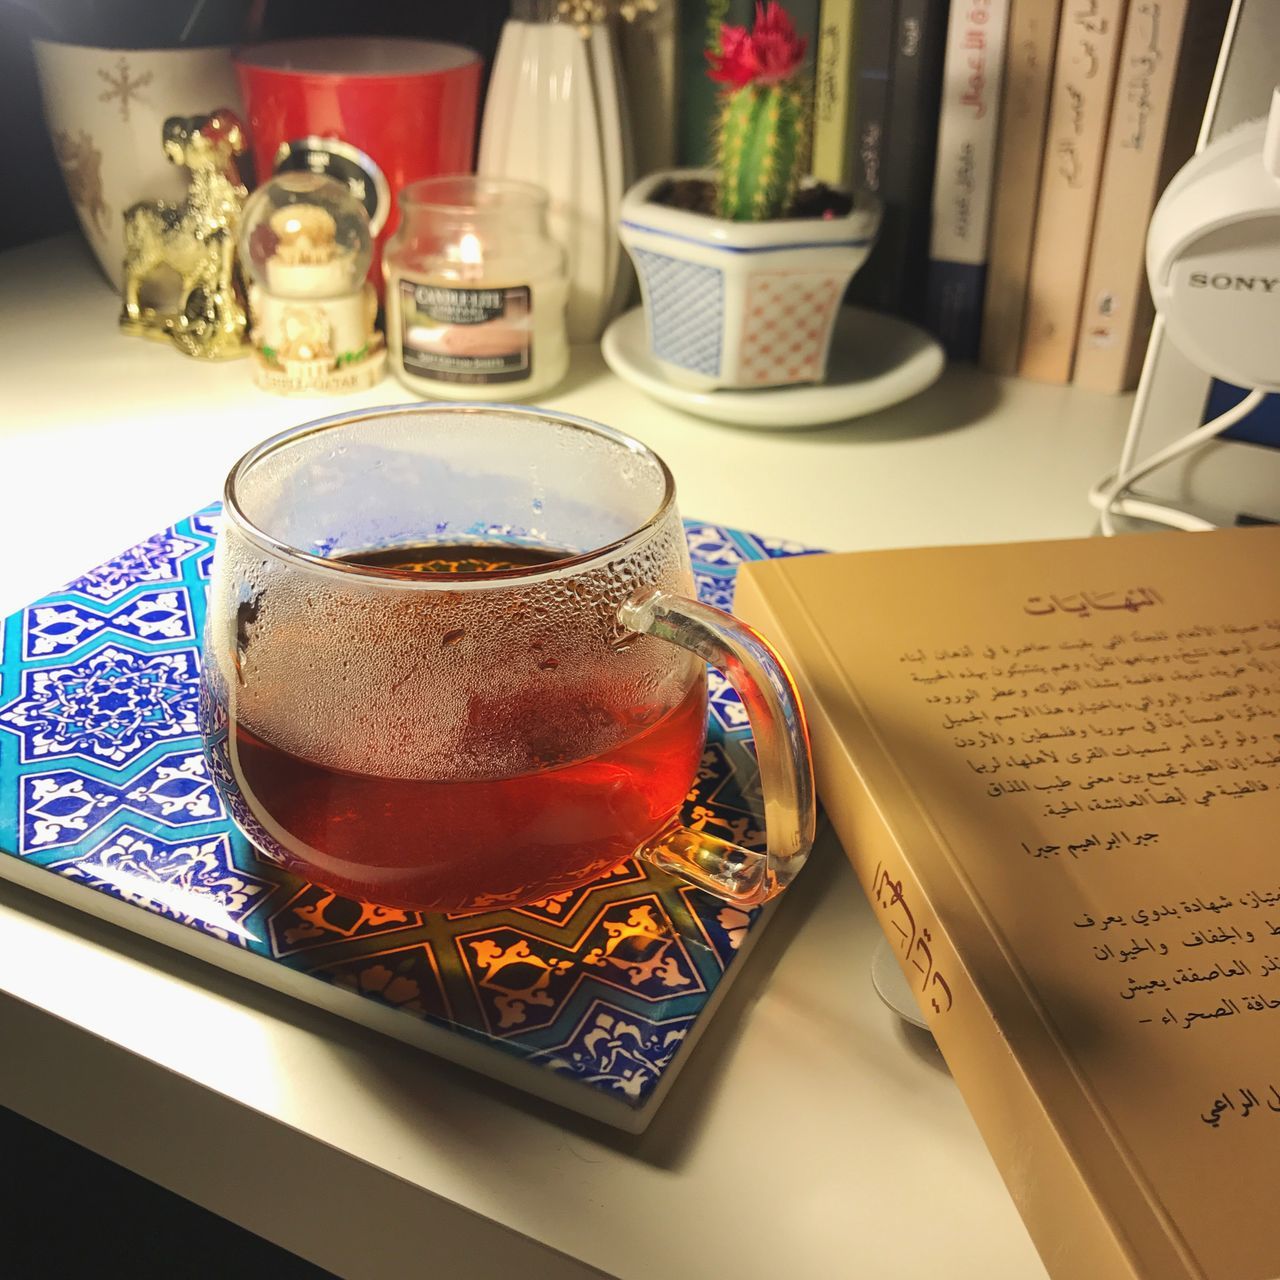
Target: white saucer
point(891, 986)
point(876, 361)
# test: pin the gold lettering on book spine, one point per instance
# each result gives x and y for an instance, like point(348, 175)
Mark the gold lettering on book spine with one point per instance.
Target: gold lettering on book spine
point(914, 944)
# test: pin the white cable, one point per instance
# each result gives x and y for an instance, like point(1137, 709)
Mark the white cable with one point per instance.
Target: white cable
point(1155, 513)
point(1109, 496)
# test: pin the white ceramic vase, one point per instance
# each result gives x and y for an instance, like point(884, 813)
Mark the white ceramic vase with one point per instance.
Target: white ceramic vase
point(105, 110)
point(555, 115)
point(741, 304)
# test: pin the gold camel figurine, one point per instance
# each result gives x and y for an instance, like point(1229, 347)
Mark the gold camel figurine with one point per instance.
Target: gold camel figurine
point(194, 240)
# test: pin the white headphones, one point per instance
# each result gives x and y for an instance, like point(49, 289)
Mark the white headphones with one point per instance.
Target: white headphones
point(1213, 255)
point(1213, 263)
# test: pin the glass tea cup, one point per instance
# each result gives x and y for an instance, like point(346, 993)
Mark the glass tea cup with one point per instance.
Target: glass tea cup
point(453, 662)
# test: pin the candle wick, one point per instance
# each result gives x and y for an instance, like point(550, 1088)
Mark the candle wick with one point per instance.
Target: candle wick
point(472, 256)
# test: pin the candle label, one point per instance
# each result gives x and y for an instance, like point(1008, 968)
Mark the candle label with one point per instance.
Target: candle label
point(466, 335)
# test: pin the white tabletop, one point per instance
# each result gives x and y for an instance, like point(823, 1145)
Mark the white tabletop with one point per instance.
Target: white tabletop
point(810, 1134)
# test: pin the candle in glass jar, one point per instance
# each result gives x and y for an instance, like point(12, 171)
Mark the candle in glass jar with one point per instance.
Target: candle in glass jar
point(476, 291)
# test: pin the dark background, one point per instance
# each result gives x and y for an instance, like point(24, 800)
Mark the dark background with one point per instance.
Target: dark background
point(36, 203)
point(65, 1212)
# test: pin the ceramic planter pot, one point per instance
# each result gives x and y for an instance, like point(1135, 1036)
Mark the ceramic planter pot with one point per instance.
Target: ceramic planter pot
point(741, 304)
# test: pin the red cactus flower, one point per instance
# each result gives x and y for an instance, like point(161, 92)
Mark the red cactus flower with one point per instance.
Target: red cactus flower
point(768, 54)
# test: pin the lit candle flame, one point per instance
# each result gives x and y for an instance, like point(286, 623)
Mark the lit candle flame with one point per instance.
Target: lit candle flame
point(469, 249)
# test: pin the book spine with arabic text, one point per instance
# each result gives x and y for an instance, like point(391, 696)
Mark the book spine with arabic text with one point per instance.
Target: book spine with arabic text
point(1084, 76)
point(872, 93)
point(1167, 60)
point(1024, 111)
point(873, 65)
point(833, 92)
point(897, 269)
point(964, 169)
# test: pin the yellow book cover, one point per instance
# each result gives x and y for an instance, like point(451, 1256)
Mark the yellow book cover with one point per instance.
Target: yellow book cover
point(1055, 767)
point(1084, 75)
point(1167, 58)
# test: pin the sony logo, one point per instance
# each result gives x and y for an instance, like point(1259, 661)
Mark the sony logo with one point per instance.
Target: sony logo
point(1263, 284)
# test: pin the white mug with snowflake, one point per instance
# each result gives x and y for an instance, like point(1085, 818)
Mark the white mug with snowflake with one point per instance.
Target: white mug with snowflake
point(105, 110)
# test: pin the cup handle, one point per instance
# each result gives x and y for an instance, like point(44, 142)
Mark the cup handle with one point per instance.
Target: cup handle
point(762, 681)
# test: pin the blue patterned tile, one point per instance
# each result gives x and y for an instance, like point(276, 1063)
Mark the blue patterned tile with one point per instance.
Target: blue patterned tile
point(62, 807)
point(715, 591)
point(103, 783)
point(158, 559)
point(635, 945)
point(724, 926)
point(110, 706)
point(560, 908)
point(314, 917)
point(192, 881)
point(728, 800)
point(711, 544)
point(619, 1050)
point(206, 522)
point(405, 978)
point(522, 980)
point(776, 548)
point(59, 808)
point(726, 707)
point(61, 626)
point(55, 629)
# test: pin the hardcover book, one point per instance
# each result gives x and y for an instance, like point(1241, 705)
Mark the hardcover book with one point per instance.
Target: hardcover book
point(895, 275)
point(1024, 111)
point(965, 165)
point(695, 91)
point(648, 53)
point(1167, 57)
point(1055, 767)
point(873, 62)
point(1084, 77)
point(590, 999)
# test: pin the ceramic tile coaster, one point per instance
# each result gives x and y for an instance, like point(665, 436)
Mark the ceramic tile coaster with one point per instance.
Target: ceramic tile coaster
point(591, 999)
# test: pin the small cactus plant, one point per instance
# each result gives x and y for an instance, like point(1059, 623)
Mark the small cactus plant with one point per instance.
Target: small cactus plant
point(762, 138)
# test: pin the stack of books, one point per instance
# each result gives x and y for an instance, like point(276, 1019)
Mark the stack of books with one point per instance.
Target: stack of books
point(1018, 147)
